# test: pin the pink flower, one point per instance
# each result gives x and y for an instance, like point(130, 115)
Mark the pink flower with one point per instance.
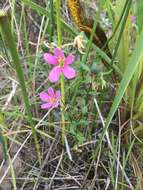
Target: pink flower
point(50, 98)
point(61, 64)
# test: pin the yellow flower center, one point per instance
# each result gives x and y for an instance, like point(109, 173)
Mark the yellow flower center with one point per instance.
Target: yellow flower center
point(61, 61)
point(53, 100)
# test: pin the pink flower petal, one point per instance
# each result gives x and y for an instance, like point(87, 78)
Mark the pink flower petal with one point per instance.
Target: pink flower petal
point(70, 59)
point(51, 98)
point(54, 74)
point(69, 72)
point(51, 92)
point(44, 96)
point(46, 106)
point(58, 94)
point(50, 59)
point(55, 105)
point(58, 53)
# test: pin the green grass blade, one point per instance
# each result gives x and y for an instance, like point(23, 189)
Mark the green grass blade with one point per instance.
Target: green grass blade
point(3, 140)
point(129, 72)
point(9, 40)
point(4, 23)
point(52, 22)
point(119, 22)
point(13, 14)
point(13, 174)
point(96, 17)
point(139, 14)
point(121, 30)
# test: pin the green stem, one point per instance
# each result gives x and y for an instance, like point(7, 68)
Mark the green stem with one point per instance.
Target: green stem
point(129, 3)
point(10, 42)
point(59, 34)
point(62, 107)
point(51, 20)
point(58, 18)
point(96, 18)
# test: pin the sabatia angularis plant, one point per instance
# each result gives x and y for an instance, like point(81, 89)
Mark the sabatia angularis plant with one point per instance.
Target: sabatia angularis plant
point(51, 98)
point(61, 63)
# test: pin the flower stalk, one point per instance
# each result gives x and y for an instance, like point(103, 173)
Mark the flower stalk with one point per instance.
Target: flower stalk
point(59, 34)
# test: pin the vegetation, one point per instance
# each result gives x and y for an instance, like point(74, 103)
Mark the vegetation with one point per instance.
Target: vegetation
point(71, 95)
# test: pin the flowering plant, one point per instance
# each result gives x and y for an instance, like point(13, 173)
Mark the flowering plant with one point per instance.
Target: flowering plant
point(61, 64)
point(51, 98)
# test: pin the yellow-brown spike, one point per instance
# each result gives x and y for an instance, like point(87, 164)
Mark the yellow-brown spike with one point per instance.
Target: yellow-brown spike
point(76, 12)
point(77, 15)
